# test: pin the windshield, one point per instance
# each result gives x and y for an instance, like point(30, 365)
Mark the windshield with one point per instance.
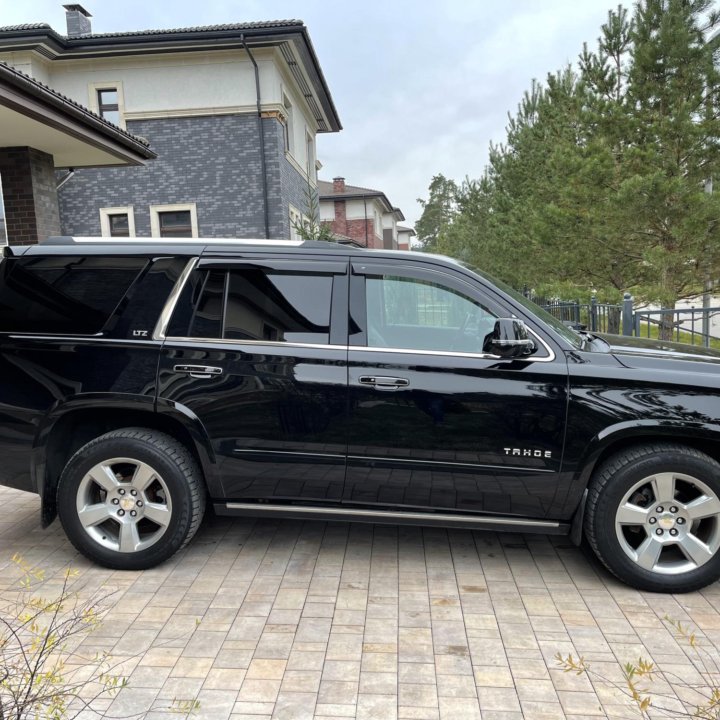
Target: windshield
point(560, 328)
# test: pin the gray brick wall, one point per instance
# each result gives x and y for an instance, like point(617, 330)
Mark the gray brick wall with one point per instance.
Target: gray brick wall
point(290, 186)
point(29, 195)
point(211, 161)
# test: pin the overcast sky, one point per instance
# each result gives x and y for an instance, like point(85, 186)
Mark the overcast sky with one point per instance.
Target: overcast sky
point(421, 88)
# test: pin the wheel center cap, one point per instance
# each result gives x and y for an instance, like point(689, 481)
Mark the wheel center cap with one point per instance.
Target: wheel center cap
point(666, 523)
point(127, 504)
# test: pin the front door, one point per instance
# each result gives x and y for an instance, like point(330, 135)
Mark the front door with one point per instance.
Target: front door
point(434, 422)
point(251, 353)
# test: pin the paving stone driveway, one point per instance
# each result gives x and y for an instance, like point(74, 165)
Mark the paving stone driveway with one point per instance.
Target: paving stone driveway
point(321, 620)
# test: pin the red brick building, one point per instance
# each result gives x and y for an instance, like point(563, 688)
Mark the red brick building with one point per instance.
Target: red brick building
point(362, 215)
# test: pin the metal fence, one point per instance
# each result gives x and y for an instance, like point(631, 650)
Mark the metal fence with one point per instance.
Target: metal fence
point(593, 316)
point(693, 325)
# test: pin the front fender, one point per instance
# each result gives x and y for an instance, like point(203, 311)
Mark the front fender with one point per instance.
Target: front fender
point(629, 432)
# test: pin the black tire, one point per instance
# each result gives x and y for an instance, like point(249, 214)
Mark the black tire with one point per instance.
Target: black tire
point(131, 457)
point(639, 474)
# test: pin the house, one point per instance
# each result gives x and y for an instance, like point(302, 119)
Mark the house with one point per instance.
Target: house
point(404, 237)
point(358, 214)
point(231, 111)
point(41, 131)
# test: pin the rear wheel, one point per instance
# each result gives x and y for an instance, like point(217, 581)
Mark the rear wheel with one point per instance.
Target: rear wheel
point(653, 517)
point(131, 498)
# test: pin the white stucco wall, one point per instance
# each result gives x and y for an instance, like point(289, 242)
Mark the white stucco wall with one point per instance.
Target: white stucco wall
point(29, 63)
point(327, 210)
point(180, 84)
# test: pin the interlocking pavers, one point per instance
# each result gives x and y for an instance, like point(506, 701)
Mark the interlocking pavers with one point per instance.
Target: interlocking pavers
point(294, 620)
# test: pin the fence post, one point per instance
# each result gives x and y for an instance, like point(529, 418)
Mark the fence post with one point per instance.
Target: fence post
point(577, 311)
point(627, 314)
point(593, 314)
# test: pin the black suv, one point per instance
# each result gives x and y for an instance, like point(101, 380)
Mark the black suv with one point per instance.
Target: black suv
point(140, 379)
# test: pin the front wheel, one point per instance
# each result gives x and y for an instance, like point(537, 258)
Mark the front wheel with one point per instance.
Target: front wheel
point(653, 517)
point(131, 498)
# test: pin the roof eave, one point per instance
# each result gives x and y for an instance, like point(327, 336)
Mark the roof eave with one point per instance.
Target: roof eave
point(54, 46)
point(138, 152)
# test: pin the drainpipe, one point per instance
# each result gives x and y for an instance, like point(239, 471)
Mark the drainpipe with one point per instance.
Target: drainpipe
point(261, 134)
point(366, 230)
point(65, 178)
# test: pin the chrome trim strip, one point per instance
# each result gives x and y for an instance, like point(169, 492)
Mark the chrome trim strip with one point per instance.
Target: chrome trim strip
point(479, 466)
point(439, 353)
point(362, 348)
point(263, 343)
point(374, 458)
point(335, 456)
point(394, 514)
point(452, 353)
point(171, 302)
point(84, 338)
point(548, 349)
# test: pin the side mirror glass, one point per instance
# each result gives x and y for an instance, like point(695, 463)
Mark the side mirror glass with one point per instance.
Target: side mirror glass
point(509, 339)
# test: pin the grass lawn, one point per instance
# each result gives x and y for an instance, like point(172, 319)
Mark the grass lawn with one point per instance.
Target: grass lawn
point(683, 336)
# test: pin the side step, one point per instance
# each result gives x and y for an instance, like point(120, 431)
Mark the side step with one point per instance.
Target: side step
point(394, 517)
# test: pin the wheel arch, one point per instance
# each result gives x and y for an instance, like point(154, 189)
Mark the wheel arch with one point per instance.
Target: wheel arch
point(622, 436)
point(70, 426)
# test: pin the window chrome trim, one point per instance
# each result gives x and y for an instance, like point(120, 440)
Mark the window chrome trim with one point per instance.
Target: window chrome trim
point(451, 353)
point(362, 348)
point(167, 311)
point(254, 343)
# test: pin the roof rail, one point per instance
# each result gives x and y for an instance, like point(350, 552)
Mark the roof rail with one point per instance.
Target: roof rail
point(77, 240)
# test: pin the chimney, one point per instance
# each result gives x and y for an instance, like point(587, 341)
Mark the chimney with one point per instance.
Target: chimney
point(78, 21)
point(338, 185)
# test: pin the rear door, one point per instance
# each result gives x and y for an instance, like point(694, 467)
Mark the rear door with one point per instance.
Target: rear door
point(256, 349)
point(434, 422)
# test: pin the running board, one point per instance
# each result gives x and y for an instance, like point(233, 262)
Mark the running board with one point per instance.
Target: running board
point(394, 517)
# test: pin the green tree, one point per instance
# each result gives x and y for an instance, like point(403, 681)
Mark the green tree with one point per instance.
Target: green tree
point(600, 183)
point(310, 226)
point(438, 212)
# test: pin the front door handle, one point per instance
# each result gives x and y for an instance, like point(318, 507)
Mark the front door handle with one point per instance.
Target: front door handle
point(382, 382)
point(202, 372)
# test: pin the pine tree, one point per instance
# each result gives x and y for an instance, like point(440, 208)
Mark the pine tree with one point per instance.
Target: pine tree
point(600, 184)
point(438, 212)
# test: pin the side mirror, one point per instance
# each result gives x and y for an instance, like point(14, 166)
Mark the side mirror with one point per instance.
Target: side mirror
point(509, 339)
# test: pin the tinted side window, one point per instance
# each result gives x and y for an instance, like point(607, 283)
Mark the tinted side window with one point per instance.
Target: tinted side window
point(259, 305)
point(207, 317)
point(274, 306)
point(73, 295)
point(406, 312)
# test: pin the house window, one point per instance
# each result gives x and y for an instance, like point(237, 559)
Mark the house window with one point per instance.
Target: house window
point(288, 125)
point(108, 105)
point(296, 219)
point(107, 100)
point(176, 221)
point(175, 224)
point(119, 225)
point(117, 222)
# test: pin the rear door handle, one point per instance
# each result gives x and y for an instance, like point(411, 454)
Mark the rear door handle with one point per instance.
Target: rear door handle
point(202, 372)
point(382, 382)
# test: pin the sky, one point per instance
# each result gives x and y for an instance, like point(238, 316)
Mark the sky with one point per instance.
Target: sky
point(421, 87)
